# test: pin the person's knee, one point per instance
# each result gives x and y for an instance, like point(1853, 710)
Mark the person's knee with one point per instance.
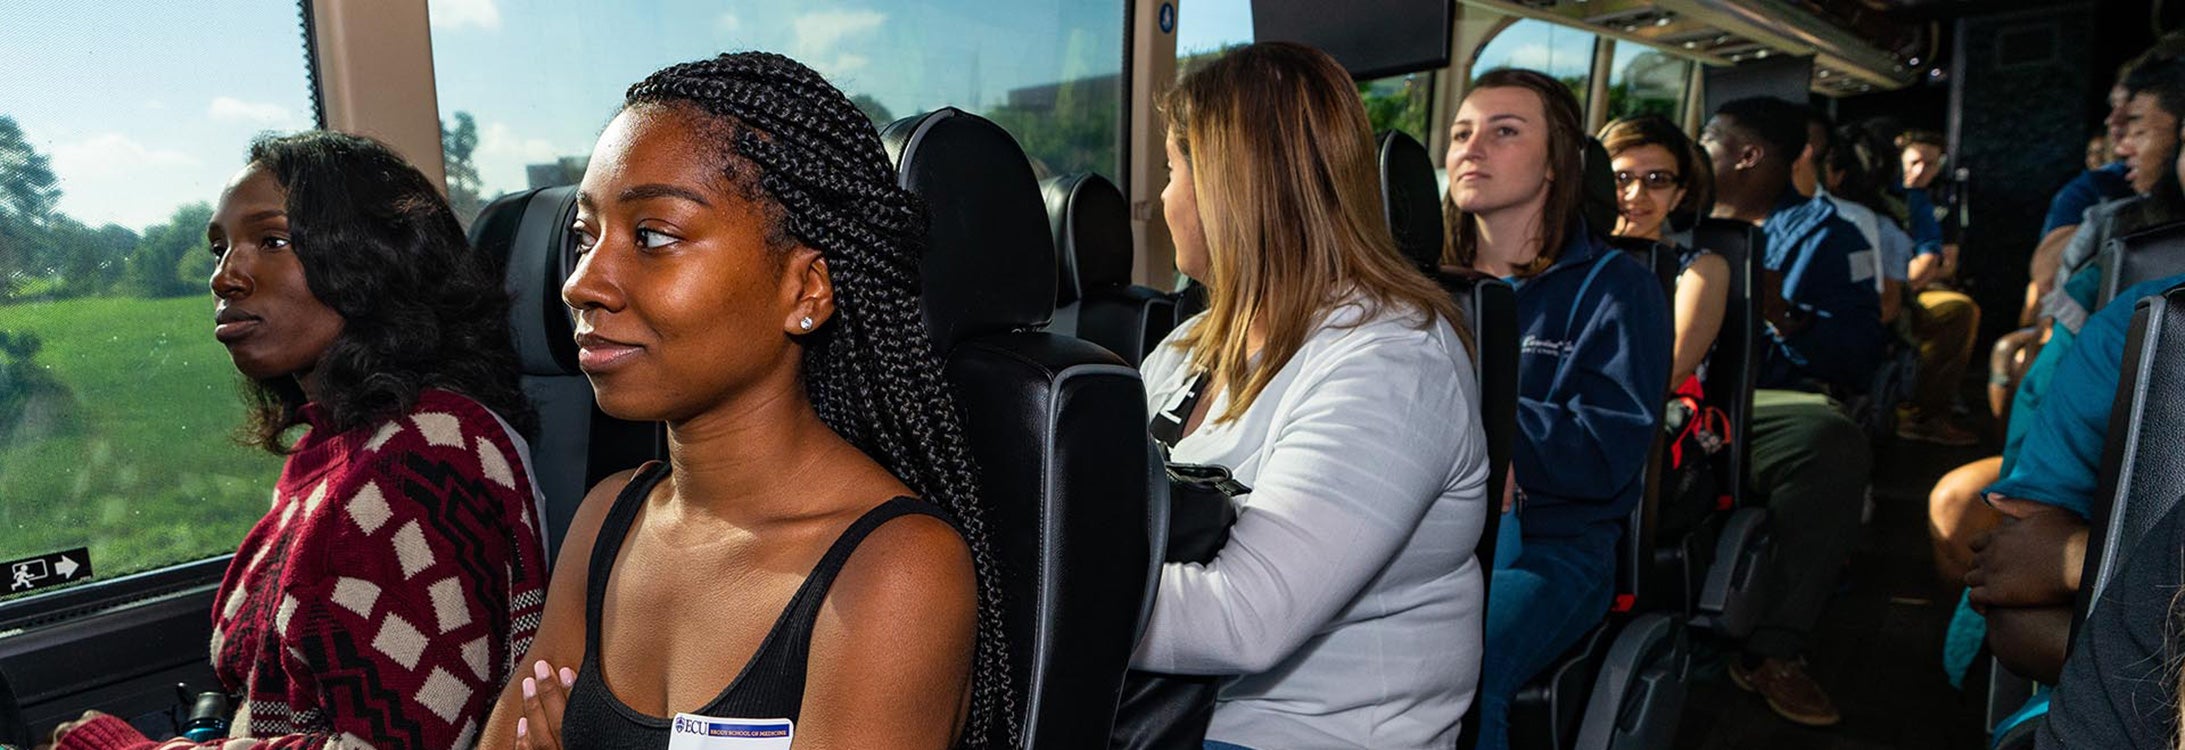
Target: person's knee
point(1956, 515)
point(1840, 445)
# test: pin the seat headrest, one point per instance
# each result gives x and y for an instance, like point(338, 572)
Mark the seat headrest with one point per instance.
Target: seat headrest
point(530, 230)
point(990, 256)
point(1056, 191)
point(1597, 197)
point(1411, 199)
point(2142, 256)
point(1091, 224)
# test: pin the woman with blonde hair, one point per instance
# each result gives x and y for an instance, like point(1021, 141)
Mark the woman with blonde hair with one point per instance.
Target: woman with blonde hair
point(1592, 369)
point(1332, 379)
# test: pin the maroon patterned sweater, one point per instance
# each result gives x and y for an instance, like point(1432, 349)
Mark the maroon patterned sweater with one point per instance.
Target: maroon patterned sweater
point(384, 599)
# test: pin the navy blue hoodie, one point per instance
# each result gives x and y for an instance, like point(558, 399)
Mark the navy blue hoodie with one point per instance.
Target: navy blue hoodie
point(1592, 372)
point(1815, 249)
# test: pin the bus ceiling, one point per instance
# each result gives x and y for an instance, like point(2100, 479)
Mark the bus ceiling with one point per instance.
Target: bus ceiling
point(1857, 46)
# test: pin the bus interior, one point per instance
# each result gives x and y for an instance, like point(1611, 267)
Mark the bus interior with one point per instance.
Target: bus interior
point(122, 494)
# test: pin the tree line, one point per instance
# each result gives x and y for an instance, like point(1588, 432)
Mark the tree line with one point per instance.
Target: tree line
point(46, 254)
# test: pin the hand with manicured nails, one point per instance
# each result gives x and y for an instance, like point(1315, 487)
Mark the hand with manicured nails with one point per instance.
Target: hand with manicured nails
point(545, 693)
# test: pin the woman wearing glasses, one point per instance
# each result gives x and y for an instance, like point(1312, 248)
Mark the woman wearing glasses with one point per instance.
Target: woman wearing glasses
point(1658, 174)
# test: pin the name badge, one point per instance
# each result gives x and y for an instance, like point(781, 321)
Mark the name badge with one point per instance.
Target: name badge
point(694, 732)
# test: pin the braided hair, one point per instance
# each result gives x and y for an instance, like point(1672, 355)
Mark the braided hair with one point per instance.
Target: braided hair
point(795, 145)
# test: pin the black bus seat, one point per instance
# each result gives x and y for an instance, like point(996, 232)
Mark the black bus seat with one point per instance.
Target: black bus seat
point(1720, 561)
point(1094, 299)
point(1411, 200)
point(2142, 475)
point(577, 445)
point(2138, 481)
point(1623, 686)
point(1658, 257)
point(1190, 300)
point(1057, 426)
point(1489, 307)
point(2139, 257)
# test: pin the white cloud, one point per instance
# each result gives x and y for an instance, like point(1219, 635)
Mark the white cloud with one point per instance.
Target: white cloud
point(1534, 56)
point(729, 23)
point(843, 64)
point(502, 155)
point(111, 178)
point(231, 109)
point(456, 14)
point(818, 34)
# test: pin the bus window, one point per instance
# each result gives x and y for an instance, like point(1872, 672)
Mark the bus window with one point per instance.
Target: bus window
point(1211, 26)
point(1401, 102)
point(1646, 81)
point(1559, 51)
point(1049, 71)
point(117, 406)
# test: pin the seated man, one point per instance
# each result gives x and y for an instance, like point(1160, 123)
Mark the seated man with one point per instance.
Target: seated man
point(2068, 208)
point(1834, 168)
point(2155, 101)
point(1942, 321)
point(1823, 320)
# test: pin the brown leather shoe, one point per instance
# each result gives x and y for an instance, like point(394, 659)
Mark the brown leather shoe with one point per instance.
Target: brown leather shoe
point(1789, 690)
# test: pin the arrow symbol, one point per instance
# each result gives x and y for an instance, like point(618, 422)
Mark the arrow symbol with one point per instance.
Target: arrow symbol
point(66, 567)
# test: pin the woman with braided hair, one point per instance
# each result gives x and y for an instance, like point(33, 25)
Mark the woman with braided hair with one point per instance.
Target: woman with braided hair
point(811, 561)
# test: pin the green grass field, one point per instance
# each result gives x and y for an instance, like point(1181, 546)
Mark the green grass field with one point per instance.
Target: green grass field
point(136, 461)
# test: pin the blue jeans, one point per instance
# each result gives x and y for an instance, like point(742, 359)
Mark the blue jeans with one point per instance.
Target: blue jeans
point(1550, 596)
point(1220, 745)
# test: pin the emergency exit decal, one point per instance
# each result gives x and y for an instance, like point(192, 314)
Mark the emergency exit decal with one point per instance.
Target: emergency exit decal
point(53, 569)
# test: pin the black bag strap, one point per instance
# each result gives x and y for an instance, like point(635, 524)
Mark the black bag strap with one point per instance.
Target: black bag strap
point(1167, 426)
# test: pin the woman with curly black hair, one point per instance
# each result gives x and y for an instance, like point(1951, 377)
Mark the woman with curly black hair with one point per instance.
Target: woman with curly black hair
point(811, 561)
point(400, 570)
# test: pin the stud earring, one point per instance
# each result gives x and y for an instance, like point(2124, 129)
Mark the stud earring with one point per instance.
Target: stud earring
point(805, 324)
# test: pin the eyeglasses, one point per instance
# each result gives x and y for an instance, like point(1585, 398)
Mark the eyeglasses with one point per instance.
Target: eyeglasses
point(1655, 180)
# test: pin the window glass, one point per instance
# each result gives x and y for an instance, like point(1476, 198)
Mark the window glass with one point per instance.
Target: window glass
point(1646, 81)
point(525, 85)
point(1400, 103)
point(1205, 28)
point(1559, 51)
point(118, 128)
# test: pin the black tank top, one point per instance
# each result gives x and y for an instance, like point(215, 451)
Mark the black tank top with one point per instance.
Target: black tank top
point(772, 683)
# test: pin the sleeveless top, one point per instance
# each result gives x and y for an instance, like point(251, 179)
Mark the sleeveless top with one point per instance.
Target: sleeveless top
point(771, 685)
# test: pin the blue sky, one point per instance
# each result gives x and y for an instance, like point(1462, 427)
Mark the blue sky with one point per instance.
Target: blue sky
point(1204, 25)
point(542, 76)
point(145, 105)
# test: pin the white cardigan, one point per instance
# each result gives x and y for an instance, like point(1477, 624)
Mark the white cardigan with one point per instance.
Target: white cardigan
point(1348, 599)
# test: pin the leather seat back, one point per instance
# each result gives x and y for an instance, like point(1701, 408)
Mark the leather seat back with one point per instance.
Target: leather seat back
point(1737, 346)
point(2142, 474)
point(577, 445)
point(1056, 424)
point(2142, 256)
point(1657, 257)
point(1411, 199)
point(1095, 300)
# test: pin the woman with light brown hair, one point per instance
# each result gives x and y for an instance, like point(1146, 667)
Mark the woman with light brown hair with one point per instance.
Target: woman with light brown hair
point(1592, 369)
point(1332, 379)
